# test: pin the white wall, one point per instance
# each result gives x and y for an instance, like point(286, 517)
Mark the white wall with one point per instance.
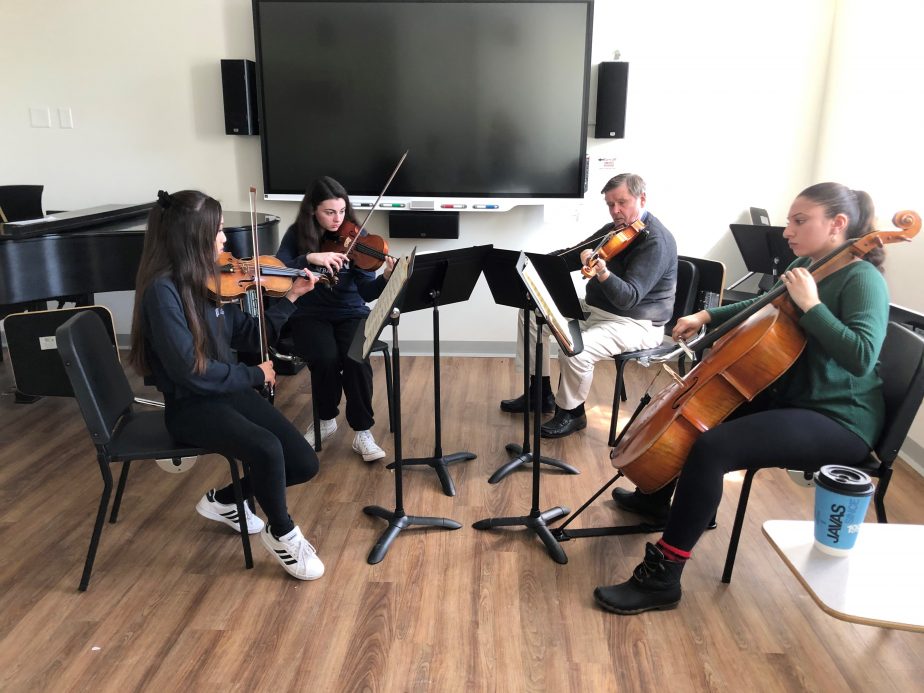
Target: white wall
point(873, 137)
point(712, 122)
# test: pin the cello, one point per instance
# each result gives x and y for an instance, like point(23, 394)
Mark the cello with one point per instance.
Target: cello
point(749, 352)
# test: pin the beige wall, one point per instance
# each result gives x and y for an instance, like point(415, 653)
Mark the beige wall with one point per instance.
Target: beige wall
point(872, 135)
point(731, 104)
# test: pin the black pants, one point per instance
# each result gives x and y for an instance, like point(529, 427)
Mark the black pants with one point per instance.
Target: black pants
point(245, 426)
point(788, 438)
point(324, 344)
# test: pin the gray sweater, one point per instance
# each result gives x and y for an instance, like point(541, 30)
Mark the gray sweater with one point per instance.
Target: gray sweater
point(643, 277)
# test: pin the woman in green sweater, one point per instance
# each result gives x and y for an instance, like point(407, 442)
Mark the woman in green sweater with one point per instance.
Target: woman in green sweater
point(826, 409)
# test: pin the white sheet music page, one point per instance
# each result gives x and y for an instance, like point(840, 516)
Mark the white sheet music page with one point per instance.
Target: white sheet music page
point(386, 300)
point(557, 322)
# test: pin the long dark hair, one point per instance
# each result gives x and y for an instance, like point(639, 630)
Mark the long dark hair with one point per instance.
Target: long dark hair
point(179, 243)
point(856, 205)
point(308, 233)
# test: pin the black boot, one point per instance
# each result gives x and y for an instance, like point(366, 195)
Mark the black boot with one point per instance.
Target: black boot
point(516, 405)
point(654, 506)
point(655, 584)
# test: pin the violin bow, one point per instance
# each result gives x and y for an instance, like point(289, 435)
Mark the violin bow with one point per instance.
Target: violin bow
point(382, 194)
point(264, 341)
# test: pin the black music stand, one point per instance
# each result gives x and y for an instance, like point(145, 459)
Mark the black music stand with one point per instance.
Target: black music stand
point(368, 331)
point(500, 271)
point(549, 285)
point(440, 279)
point(764, 251)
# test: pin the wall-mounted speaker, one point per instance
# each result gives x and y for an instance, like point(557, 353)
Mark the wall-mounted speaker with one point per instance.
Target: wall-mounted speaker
point(612, 85)
point(423, 224)
point(239, 88)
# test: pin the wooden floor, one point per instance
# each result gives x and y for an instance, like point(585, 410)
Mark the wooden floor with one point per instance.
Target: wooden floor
point(170, 606)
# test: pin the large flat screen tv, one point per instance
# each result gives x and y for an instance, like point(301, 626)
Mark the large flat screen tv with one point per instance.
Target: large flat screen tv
point(489, 97)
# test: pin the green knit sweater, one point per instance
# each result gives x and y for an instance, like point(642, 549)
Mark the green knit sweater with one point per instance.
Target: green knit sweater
point(837, 373)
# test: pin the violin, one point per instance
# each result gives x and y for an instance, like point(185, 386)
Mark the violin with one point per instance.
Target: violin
point(367, 252)
point(612, 244)
point(236, 276)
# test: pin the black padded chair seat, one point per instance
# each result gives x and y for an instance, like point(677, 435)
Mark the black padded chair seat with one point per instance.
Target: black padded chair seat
point(144, 435)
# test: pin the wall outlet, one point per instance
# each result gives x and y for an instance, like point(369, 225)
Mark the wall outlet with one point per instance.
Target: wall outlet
point(66, 118)
point(40, 117)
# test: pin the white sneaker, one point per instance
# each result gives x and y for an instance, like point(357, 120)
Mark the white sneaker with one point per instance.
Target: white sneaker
point(295, 553)
point(328, 428)
point(227, 513)
point(365, 445)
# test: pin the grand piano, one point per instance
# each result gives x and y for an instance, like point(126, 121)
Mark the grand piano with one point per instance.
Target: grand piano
point(74, 255)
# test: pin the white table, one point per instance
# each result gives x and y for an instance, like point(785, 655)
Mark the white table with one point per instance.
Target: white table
point(879, 583)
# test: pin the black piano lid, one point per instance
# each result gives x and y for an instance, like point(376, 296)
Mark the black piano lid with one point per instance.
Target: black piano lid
point(78, 220)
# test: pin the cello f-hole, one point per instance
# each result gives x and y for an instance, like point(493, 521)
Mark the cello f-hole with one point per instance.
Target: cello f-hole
point(688, 391)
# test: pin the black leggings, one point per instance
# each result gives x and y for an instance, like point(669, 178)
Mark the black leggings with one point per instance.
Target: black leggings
point(324, 345)
point(245, 426)
point(788, 438)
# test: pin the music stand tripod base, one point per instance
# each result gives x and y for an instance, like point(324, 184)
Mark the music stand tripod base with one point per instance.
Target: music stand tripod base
point(538, 523)
point(397, 522)
point(438, 464)
point(524, 458)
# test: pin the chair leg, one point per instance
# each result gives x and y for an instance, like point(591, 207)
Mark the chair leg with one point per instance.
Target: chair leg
point(120, 489)
point(315, 416)
point(618, 391)
point(885, 476)
point(239, 500)
point(739, 523)
point(98, 525)
point(388, 389)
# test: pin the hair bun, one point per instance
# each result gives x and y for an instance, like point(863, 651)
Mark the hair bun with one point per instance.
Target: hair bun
point(164, 199)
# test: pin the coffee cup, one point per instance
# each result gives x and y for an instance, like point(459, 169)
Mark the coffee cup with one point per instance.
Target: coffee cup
point(841, 498)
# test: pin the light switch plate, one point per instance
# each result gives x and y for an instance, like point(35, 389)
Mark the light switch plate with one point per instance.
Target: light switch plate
point(40, 117)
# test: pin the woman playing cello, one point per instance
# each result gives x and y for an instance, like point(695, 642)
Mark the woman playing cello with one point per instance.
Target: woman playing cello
point(826, 409)
point(182, 341)
point(324, 325)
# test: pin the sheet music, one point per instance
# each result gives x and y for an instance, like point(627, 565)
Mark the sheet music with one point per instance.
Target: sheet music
point(385, 302)
point(557, 322)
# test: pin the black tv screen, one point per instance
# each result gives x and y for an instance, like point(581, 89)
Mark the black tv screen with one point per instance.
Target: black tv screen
point(490, 98)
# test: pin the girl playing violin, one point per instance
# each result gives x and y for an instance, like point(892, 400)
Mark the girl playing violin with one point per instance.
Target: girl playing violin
point(182, 341)
point(326, 320)
point(826, 409)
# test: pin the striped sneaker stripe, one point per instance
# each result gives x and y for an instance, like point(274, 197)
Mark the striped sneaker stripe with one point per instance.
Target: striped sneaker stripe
point(285, 556)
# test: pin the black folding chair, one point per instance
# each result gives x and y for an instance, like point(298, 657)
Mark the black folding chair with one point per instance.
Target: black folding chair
point(120, 433)
point(901, 367)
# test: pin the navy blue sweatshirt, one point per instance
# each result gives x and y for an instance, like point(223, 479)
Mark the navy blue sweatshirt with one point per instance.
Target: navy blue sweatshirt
point(346, 300)
point(170, 350)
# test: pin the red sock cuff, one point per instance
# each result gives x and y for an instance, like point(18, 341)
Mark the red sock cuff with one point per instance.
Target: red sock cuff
point(672, 553)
